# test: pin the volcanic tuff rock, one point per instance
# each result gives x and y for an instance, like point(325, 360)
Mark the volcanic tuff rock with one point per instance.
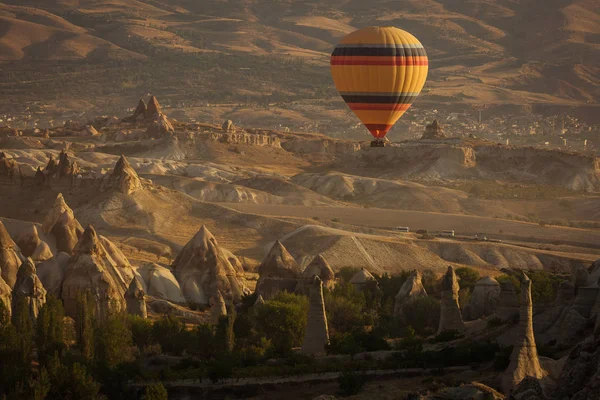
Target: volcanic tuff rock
point(9, 259)
point(66, 167)
point(316, 336)
point(202, 269)
point(153, 108)
point(434, 131)
point(317, 267)
point(277, 272)
point(450, 316)
point(160, 282)
point(123, 178)
point(6, 296)
point(52, 166)
point(52, 273)
point(31, 246)
point(586, 299)
point(228, 126)
point(411, 289)
point(524, 358)
point(218, 308)
point(140, 111)
point(61, 223)
point(8, 167)
point(508, 303)
point(91, 269)
point(135, 299)
point(362, 278)
point(29, 288)
point(484, 299)
point(582, 277)
point(160, 127)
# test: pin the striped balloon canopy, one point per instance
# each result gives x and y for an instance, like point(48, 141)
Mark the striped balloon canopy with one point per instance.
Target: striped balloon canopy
point(379, 71)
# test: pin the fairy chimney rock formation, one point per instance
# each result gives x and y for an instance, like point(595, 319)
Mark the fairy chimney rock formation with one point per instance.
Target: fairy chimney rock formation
point(484, 299)
point(52, 166)
point(259, 300)
point(317, 267)
point(565, 294)
point(202, 269)
point(316, 336)
point(29, 288)
point(66, 167)
point(278, 272)
point(160, 127)
point(362, 278)
point(140, 111)
point(524, 358)
point(218, 308)
point(228, 126)
point(582, 277)
point(585, 299)
point(450, 315)
point(508, 303)
point(411, 289)
point(91, 269)
point(123, 178)
point(9, 259)
point(135, 299)
point(434, 131)
point(60, 222)
point(52, 273)
point(6, 296)
point(31, 246)
point(153, 108)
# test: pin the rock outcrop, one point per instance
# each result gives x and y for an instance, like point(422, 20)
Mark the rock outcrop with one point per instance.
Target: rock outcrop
point(484, 299)
point(450, 315)
point(228, 126)
point(586, 299)
point(218, 308)
point(31, 246)
point(91, 269)
point(60, 222)
point(160, 127)
point(51, 167)
point(9, 259)
point(140, 111)
point(29, 288)
point(508, 303)
point(6, 296)
point(52, 273)
point(90, 131)
point(524, 358)
point(202, 269)
point(153, 108)
point(135, 299)
point(433, 131)
point(411, 289)
point(317, 267)
point(159, 282)
point(582, 277)
point(316, 336)
point(277, 272)
point(66, 166)
point(362, 278)
point(8, 167)
point(123, 178)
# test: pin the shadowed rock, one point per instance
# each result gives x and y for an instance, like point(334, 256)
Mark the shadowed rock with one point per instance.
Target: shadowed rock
point(28, 287)
point(91, 269)
point(586, 299)
point(153, 107)
point(8, 167)
point(259, 300)
point(450, 316)
point(228, 126)
point(484, 299)
point(434, 131)
point(159, 282)
point(160, 127)
point(316, 336)
point(140, 111)
point(123, 178)
point(31, 246)
point(411, 289)
point(66, 167)
point(135, 299)
point(6, 296)
point(61, 223)
point(51, 167)
point(508, 303)
point(9, 259)
point(218, 308)
point(52, 273)
point(278, 272)
point(582, 277)
point(524, 358)
point(202, 269)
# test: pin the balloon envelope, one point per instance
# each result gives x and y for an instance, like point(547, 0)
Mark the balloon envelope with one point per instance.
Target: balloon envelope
point(379, 71)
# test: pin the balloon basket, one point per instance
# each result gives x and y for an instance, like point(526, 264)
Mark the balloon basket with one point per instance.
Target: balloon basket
point(377, 143)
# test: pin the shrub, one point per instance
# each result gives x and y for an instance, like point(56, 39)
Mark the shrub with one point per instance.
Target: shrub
point(447, 336)
point(423, 314)
point(351, 383)
point(155, 391)
point(467, 277)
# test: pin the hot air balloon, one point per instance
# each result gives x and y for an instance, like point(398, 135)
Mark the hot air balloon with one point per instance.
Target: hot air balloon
point(379, 71)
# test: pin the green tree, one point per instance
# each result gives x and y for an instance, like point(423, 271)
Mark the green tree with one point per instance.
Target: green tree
point(141, 331)
point(423, 314)
point(113, 341)
point(224, 334)
point(50, 329)
point(155, 391)
point(544, 286)
point(24, 329)
point(467, 277)
point(85, 323)
point(170, 333)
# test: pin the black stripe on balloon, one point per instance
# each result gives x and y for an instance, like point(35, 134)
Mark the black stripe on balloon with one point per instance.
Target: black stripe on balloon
point(401, 99)
point(378, 52)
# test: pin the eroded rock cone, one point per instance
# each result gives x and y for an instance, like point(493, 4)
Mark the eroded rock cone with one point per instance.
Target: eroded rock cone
point(6, 296)
point(51, 167)
point(135, 299)
point(154, 108)
point(52, 273)
point(140, 111)
point(450, 315)
point(508, 303)
point(65, 165)
point(31, 246)
point(484, 299)
point(317, 267)
point(278, 272)
point(91, 269)
point(90, 131)
point(228, 126)
point(40, 178)
point(123, 178)
point(362, 278)
point(316, 336)
point(120, 261)
point(29, 288)
point(434, 131)
point(524, 358)
point(60, 222)
point(159, 282)
point(411, 289)
point(202, 269)
point(160, 127)
point(8, 167)
point(9, 259)
point(259, 301)
point(218, 308)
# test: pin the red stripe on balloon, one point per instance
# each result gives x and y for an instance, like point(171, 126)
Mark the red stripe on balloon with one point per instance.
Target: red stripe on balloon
point(383, 107)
